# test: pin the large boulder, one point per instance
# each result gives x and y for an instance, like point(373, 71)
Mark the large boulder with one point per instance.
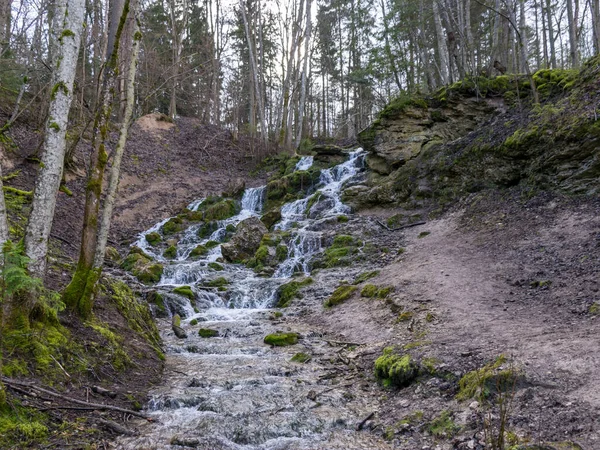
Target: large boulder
point(245, 241)
point(235, 188)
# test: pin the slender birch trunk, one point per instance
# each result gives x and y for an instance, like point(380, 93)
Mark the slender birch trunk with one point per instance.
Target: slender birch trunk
point(4, 236)
point(118, 153)
point(551, 34)
point(307, 34)
point(573, 41)
point(441, 44)
point(66, 38)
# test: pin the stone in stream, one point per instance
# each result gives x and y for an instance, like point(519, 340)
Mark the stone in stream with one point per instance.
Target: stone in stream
point(175, 325)
point(245, 241)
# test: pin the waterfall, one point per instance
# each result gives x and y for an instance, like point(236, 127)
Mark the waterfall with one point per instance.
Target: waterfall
point(231, 391)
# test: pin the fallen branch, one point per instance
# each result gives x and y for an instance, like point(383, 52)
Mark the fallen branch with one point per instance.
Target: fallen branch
point(114, 426)
point(408, 225)
point(12, 383)
point(332, 343)
point(365, 420)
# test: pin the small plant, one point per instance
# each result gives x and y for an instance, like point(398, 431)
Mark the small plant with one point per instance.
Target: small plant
point(395, 370)
point(301, 358)
point(443, 425)
point(340, 295)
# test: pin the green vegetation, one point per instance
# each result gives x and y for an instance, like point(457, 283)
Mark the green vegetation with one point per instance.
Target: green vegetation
point(170, 252)
point(221, 210)
point(481, 383)
point(371, 291)
point(301, 358)
point(142, 266)
point(207, 333)
point(186, 291)
point(194, 322)
point(342, 219)
point(341, 294)
point(281, 339)
point(199, 250)
point(216, 266)
point(405, 316)
point(443, 425)
point(218, 282)
point(341, 251)
point(172, 226)
point(153, 238)
point(594, 309)
point(365, 276)
point(287, 292)
point(395, 370)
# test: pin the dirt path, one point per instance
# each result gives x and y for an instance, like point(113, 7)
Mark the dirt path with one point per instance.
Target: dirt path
point(497, 276)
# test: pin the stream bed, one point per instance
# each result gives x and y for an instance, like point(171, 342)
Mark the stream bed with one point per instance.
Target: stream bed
point(233, 391)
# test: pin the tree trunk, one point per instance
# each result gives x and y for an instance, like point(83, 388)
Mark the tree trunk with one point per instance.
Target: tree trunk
point(573, 40)
point(4, 236)
point(119, 150)
point(5, 21)
point(307, 34)
point(66, 38)
point(596, 24)
point(79, 293)
point(441, 43)
point(550, 34)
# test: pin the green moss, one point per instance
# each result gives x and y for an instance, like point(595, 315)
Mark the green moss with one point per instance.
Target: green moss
point(60, 86)
point(22, 427)
point(369, 291)
point(157, 300)
point(176, 320)
point(170, 252)
point(301, 358)
point(211, 244)
point(207, 333)
point(423, 234)
point(218, 282)
point(216, 266)
point(287, 292)
point(395, 370)
point(66, 33)
point(186, 291)
point(153, 238)
point(64, 189)
point(341, 294)
point(385, 291)
point(481, 383)
point(281, 339)
point(401, 104)
point(114, 345)
point(221, 210)
point(341, 251)
point(194, 322)
point(405, 316)
point(140, 265)
point(209, 228)
point(443, 425)
point(136, 312)
point(172, 226)
point(200, 250)
point(312, 201)
point(54, 126)
point(230, 228)
point(281, 252)
point(594, 309)
point(342, 219)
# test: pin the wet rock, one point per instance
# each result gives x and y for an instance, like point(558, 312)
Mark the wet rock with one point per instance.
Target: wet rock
point(271, 218)
point(235, 188)
point(179, 332)
point(185, 442)
point(281, 339)
point(245, 241)
point(323, 205)
point(142, 267)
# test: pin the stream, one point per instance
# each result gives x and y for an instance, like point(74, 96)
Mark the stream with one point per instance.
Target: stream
point(233, 391)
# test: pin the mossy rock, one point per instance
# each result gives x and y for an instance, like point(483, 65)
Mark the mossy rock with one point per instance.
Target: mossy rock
point(207, 333)
point(270, 218)
point(340, 295)
point(143, 268)
point(212, 244)
point(215, 266)
point(157, 300)
point(369, 291)
point(281, 339)
point(186, 291)
point(217, 282)
point(200, 250)
point(209, 228)
point(170, 252)
point(287, 292)
point(395, 370)
point(172, 226)
point(153, 238)
point(365, 276)
point(112, 255)
point(301, 358)
point(221, 210)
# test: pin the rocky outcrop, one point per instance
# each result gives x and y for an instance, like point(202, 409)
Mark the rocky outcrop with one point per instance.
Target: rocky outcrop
point(428, 151)
point(245, 241)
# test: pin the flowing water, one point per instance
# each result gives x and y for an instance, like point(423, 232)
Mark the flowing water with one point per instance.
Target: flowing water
point(233, 391)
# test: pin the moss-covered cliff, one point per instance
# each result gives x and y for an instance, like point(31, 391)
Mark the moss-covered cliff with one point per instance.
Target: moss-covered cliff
point(481, 133)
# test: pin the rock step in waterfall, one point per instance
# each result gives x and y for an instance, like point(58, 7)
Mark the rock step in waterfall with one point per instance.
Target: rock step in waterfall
point(230, 390)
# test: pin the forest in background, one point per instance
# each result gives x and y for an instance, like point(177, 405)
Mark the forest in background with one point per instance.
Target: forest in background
point(289, 69)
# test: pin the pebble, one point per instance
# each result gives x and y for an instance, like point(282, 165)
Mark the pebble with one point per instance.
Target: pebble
point(474, 405)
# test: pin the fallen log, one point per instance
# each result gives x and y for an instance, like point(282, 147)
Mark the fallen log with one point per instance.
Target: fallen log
point(12, 383)
point(408, 225)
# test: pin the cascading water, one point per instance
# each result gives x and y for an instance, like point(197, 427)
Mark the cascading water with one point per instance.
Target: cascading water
point(232, 391)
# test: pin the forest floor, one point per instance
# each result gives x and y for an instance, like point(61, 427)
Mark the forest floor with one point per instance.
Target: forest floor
point(496, 275)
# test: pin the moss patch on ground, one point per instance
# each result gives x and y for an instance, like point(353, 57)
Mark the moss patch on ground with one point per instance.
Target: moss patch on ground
point(488, 380)
point(340, 295)
point(281, 339)
point(342, 251)
point(396, 370)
